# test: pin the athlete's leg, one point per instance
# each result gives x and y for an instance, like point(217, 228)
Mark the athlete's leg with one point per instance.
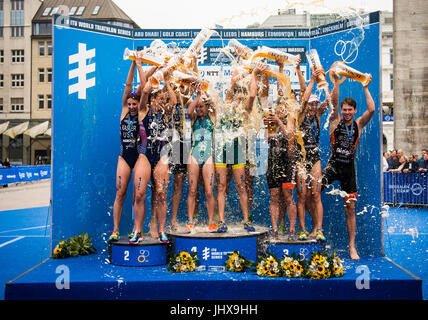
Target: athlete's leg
point(315, 196)
point(161, 175)
point(274, 207)
point(123, 175)
point(208, 181)
point(351, 224)
point(221, 173)
point(239, 174)
point(176, 197)
point(301, 194)
point(142, 172)
point(287, 191)
point(193, 176)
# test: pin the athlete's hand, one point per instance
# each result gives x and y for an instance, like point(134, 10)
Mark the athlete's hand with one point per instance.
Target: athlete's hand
point(368, 82)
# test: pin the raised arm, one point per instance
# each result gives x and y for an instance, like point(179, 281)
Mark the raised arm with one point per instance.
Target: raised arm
point(192, 105)
point(235, 77)
point(172, 101)
point(368, 114)
point(128, 86)
point(302, 81)
point(253, 86)
point(305, 98)
point(335, 117)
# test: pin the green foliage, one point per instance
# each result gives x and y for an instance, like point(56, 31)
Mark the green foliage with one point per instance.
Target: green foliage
point(73, 247)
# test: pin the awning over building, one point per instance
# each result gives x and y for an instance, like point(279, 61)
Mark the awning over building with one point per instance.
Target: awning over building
point(48, 132)
point(17, 130)
point(37, 130)
point(3, 127)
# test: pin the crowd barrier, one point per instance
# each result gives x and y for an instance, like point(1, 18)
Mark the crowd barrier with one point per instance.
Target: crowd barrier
point(405, 188)
point(24, 173)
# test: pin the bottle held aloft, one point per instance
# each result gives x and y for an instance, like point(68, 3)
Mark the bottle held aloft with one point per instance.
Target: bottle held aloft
point(344, 70)
point(275, 54)
point(315, 64)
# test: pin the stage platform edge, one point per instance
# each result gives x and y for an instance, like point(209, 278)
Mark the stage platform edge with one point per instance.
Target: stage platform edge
point(94, 278)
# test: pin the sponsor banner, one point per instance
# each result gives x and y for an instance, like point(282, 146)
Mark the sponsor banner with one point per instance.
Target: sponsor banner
point(410, 188)
point(24, 173)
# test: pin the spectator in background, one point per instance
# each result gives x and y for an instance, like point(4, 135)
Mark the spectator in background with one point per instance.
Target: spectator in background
point(393, 160)
point(6, 163)
point(403, 161)
point(424, 151)
point(423, 165)
point(385, 161)
point(411, 166)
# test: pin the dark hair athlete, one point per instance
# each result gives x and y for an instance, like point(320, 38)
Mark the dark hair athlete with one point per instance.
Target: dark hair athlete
point(345, 133)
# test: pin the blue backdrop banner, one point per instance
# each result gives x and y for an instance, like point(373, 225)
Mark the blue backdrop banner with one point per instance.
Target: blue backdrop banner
point(89, 78)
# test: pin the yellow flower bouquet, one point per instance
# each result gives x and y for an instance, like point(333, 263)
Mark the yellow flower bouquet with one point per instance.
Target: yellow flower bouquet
point(237, 262)
point(183, 262)
point(268, 267)
point(322, 266)
point(291, 267)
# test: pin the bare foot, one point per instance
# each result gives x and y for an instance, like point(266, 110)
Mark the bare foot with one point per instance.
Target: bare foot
point(353, 253)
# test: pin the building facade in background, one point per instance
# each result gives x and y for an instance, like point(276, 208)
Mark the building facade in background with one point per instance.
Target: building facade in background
point(15, 77)
point(26, 70)
point(411, 75)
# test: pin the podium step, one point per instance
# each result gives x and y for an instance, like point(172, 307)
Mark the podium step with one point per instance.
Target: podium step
point(149, 252)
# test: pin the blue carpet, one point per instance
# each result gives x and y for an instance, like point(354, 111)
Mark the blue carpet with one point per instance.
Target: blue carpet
point(406, 241)
point(24, 241)
point(91, 277)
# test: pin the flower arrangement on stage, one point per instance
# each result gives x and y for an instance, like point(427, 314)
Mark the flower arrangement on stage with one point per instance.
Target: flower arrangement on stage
point(319, 266)
point(336, 266)
point(183, 262)
point(322, 266)
point(268, 267)
point(291, 267)
point(76, 245)
point(237, 262)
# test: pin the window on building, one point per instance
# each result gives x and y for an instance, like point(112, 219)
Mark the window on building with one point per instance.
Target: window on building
point(16, 32)
point(17, 104)
point(391, 56)
point(42, 28)
point(17, 56)
point(17, 18)
point(1, 104)
point(72, 11)
point(46, 12)
point(49, 101)
point(1, 18)
point(80, 11)
point(41, 75)
point(1, 80)
point(17, 80)
point(54, 11)
point(41, 101)
point(41, 48)
point(49, 74)
point(17, 5)
point(49, 45)
point(96, 10)
point(1, 56)
point(391, 81)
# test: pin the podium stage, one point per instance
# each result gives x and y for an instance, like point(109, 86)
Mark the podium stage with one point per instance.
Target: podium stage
point(94, 277)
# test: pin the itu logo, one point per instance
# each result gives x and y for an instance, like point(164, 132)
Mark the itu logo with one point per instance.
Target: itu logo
point(82, 70)
point(417, 189)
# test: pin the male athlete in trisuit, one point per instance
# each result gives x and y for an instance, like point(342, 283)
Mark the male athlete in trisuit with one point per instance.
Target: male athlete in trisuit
point(345, 133)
